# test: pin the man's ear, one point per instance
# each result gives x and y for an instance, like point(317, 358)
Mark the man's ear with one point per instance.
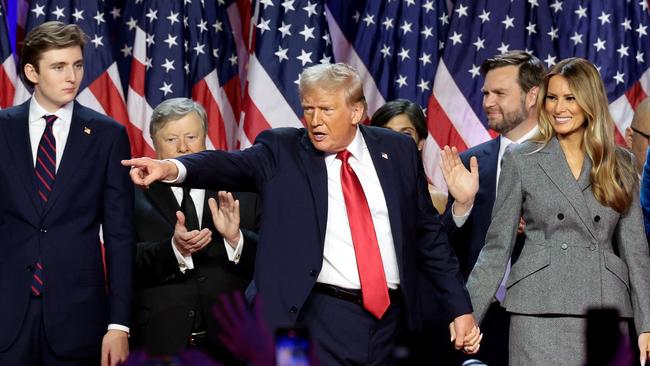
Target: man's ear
point(358, 112)
point(628, 137)
point(531, 97)
point(31, 73)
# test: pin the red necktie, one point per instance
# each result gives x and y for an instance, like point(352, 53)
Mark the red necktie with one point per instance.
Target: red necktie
point(366, 248)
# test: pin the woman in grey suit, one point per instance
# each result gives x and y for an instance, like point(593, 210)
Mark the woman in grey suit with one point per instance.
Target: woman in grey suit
point(577, 192)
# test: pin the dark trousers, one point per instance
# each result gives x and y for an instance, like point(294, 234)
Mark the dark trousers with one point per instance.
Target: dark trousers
point(344, 333)
point(31, 347)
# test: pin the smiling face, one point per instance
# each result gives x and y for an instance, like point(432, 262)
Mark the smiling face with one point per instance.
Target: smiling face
point(566, 116)
point(504, 102)
point(57, 77)
point(331, 120)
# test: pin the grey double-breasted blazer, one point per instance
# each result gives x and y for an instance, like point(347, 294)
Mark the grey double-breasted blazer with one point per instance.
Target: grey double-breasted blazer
point(568, 263)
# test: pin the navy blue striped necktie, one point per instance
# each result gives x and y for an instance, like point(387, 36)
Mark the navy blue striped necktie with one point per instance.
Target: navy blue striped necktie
point(46, 161)
point(45, 170)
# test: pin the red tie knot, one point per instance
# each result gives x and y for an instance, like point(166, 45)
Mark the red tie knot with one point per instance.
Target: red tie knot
point(343, 155)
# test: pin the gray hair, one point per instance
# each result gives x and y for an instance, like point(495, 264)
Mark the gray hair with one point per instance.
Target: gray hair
point(337, 76)
point(174, 109)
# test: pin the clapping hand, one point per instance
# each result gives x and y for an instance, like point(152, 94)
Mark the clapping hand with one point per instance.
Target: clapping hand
point(226, 217)
point(188, 242)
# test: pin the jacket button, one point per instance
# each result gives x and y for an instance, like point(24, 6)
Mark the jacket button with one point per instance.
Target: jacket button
point(564, 246)
point(293, 310)
point(43, 230)
point(190, 313)
point(313, 273)
point(597, 218)
point(30, 267)
point(560, 216)
point(201, 279)
point(593, 247)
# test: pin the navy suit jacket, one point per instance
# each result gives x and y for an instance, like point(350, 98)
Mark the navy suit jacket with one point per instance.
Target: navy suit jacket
point(469, 239)
point(290, 174)
point(645, 195)
point(91, 188)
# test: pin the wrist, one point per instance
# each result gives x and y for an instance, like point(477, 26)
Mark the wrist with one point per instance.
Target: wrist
point(233, 240)
point(461, 208)
point(171, 170)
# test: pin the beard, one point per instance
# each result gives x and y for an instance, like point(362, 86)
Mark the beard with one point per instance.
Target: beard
point(510, 119)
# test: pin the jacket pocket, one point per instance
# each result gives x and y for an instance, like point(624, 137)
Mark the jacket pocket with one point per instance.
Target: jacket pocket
point(528, 264)
point(616, 266)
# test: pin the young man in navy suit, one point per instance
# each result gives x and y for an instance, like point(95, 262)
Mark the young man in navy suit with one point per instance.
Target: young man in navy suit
point(62, 302)
point(347, 221)
point(510, 89)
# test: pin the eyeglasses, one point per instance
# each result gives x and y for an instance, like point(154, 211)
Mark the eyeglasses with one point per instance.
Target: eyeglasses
point(647, 137)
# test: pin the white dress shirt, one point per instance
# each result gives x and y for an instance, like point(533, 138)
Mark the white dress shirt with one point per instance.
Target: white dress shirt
point(339, 261)
point(198, 197)
point(60, 130)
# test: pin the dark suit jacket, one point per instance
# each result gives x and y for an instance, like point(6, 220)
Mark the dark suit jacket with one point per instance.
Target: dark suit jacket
point(469, 239)
point(291, 176)
point(91, 188)
point(166, 300)
point(645, 195)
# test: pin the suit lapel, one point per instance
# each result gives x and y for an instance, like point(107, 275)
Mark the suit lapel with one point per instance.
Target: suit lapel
point(17, 139)
point(555, 166)
point(488, 160)
point(75, 150)
point(162, 197)
point(389, 185)
point(207, 214)
point(314, 166)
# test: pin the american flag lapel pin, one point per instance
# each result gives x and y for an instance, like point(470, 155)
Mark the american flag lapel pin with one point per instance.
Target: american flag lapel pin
point(87, 130)
point(384, 155)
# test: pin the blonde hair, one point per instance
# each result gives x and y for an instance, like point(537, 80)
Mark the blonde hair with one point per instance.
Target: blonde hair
point(612, 175)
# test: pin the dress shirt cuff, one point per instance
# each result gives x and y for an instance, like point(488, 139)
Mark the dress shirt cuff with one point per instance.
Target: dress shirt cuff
point(460, 220)
point(182, 172)
point(118, 327)
point(235, 254)
point(184, 263)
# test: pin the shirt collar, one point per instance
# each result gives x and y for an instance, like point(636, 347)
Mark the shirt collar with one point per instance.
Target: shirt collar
point(357, 148)
point(506, 141)
point(36, 111)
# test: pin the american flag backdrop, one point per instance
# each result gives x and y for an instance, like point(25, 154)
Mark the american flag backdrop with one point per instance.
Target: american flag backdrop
point(241, 59)
point(8, 67)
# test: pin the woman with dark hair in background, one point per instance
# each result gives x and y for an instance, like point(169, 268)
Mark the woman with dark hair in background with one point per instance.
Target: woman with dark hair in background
point(404, 116)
